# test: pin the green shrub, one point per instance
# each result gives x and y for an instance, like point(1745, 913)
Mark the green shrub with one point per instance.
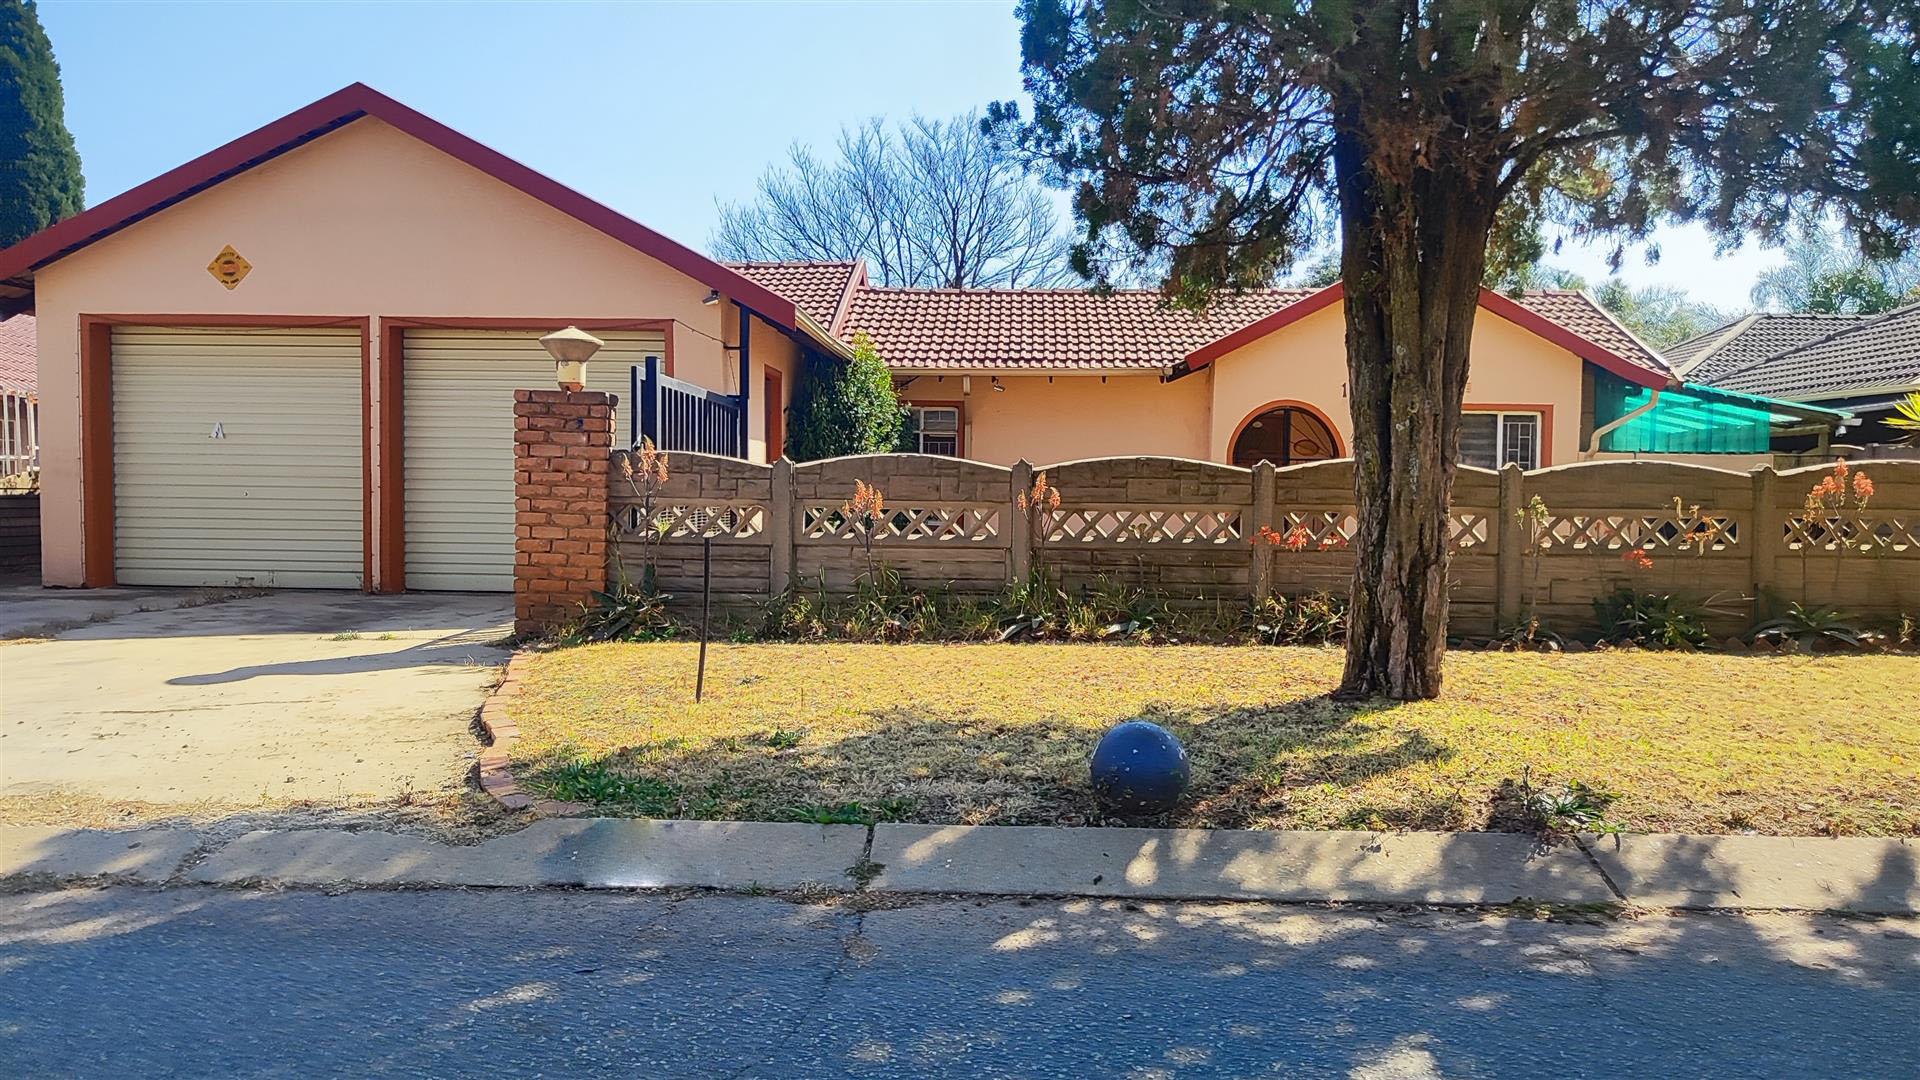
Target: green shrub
point(1657, 620)
point(1810, 627)
point(845, 407)
point(1312, 619)
point(883, 608)
point(624, 613)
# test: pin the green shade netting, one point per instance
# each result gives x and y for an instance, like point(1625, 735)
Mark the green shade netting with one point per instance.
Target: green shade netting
point(1689, 419)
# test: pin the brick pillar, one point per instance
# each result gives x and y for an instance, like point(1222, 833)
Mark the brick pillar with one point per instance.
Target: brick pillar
point(561, 443)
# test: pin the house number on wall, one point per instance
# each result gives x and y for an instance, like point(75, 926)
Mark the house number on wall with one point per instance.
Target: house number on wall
point(219, 430)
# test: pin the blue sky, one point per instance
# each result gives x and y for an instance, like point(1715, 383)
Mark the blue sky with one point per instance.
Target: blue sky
point(657, 109)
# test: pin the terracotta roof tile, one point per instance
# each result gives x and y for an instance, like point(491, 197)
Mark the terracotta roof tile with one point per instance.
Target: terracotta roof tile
point(1583, 315)
point(1060, 329)
point(18, 370)
point(815, 287)
point(1074, 329)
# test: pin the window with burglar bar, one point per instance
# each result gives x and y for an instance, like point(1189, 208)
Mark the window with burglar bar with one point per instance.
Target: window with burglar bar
point(937, 429)
point(1493, 439)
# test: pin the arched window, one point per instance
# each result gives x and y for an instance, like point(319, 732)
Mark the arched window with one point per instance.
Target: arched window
point(1284, 435)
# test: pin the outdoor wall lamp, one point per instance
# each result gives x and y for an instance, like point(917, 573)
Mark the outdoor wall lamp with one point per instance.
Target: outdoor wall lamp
point(571, 349)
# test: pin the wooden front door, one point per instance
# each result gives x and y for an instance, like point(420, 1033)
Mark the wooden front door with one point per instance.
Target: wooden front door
point(776, 417)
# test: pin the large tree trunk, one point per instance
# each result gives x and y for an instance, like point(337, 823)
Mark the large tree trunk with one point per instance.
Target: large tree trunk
point(1414, 250)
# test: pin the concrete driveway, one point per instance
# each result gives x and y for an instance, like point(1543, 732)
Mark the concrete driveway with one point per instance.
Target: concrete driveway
point(321, 696)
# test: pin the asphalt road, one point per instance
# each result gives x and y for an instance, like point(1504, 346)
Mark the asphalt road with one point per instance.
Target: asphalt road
point(123, 981)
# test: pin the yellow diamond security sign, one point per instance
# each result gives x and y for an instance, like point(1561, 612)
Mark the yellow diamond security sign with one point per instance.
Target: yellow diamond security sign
point(228, 268)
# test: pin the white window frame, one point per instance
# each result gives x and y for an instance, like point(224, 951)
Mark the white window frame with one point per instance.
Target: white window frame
point(1500, 417)
point(919, 413)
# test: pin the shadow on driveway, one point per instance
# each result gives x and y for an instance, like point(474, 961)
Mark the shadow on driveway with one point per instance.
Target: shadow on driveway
point(175, 706)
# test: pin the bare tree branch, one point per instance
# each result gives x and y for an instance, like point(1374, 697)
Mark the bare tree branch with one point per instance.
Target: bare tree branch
point(926, 203)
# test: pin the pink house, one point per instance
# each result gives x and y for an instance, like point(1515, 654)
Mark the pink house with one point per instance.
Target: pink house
point(1059, 374)
point(288, 362)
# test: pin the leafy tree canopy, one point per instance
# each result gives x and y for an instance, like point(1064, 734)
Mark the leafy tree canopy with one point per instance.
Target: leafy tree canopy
point(1660, 314)
point(1207, 130)
point(40, 179)
point(1826, 275)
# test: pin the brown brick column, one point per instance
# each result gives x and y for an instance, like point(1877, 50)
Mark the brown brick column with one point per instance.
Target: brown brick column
point(561, 443)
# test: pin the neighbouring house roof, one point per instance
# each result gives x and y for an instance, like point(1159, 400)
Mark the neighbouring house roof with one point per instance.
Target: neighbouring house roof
point(1741, 342)
point(1134, 329)
point(301, 126)
point(821, 289)
point(18, 371)
point(1877, 353)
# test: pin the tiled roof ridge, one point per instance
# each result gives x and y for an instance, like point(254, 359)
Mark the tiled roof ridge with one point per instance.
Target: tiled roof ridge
point(788, 262)
point(1719, 336)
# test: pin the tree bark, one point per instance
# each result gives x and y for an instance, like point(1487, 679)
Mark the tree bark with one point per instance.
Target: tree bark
point(1414, 250)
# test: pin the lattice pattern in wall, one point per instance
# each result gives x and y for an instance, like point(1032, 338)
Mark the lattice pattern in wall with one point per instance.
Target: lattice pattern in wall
point(1333, 530)
point(906, 524)
point(1681, 531)
point(1326, 530)
point(692, 521)
point(1862, 533)
point(1468, 529)
point(1146, 525)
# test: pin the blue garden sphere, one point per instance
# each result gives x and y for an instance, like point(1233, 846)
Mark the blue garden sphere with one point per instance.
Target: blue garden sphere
point(1139, 768)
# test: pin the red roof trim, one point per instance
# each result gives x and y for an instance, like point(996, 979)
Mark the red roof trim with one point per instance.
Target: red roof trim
point(1513, 312)
point(1536, 323)
point(1254, 331)
point(341, 108)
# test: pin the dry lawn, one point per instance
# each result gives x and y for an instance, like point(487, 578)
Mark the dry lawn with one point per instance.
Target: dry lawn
point(1001, 734)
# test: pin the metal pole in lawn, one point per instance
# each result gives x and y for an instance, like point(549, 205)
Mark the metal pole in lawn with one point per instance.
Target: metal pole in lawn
point(706, 611)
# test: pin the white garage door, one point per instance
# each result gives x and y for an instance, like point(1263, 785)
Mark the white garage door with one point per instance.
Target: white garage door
point(236, 457)
point(458, 443)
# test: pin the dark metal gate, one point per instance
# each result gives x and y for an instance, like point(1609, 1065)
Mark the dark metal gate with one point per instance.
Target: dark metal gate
point(682, 416)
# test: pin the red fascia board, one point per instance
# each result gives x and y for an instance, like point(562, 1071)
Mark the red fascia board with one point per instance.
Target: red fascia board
point(344, 107)
point(1259, 328)
point(1512, 311)
point(64, 237)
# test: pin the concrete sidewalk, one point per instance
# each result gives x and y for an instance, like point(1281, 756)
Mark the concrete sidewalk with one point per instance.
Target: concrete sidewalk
point(1866, 875)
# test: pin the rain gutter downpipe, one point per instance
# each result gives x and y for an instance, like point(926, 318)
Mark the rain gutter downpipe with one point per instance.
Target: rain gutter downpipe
point(1593, 443)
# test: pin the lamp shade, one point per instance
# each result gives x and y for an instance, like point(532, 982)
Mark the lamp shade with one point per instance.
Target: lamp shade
point(571, 349)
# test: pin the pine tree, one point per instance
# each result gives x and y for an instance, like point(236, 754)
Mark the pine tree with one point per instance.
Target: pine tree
point(1214, 140)
point(40, 179)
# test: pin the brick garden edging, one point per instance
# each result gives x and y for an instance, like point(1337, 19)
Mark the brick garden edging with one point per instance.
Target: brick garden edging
point(496, 779)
